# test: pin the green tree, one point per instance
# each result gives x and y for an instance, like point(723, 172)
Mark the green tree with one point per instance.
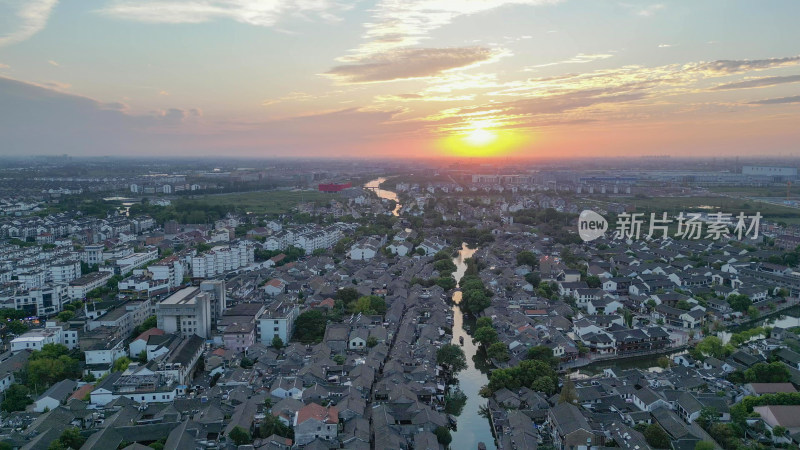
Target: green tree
point(526, 258)
point(533, 278)
point(16, 398)
point(593, 281)
point(657, 437)
point(708, 416)
point(568, 393)
point(483, 322)
point(712, 346)
point(142, 357)
point(498, 351)
point(347, 295)
point(17, 327)
point(753, 312)
point(739, 302)
point(272, 425)
point(454, 402)
point(775, 372)
point(543, 353)
point(64, 316)
point(452, 357)
point(121, 364)
point(544, 384)
point(240, 436)
point(277, 342)
point(369, 304)
point(309, 327)
point(49, 365)
point(529, 373)
point(443, 436)
point(486, 336)
point(372, 341)
point(148, 323)
point(447, 282)
point(11, 314)
point(71, 438)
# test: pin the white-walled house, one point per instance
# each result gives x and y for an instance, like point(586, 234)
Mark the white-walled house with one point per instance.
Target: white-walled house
point(139, 344)
point(54, 396)
point(142, 386)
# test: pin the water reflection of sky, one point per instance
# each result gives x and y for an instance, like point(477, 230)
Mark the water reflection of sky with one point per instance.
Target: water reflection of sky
point(472, 427)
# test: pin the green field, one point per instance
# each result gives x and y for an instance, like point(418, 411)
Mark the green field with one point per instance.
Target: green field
point(266, 202)
point(674, 205)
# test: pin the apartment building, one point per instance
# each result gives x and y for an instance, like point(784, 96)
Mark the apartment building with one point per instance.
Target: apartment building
point(186, 312)
point(79, 287)
point(223, 258)
point(277, 320)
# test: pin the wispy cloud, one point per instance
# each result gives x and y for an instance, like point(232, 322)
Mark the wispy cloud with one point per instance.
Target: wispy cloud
point(604, 95)
point(649, 11)
point(30, 17)
point(409, 63)
point(397, 24)
point(727, 66)
point(580, 58)
point(664, 45)
point(56, 85)
point(252, 12)
point(53, 63)
point(758, 82)
point(777, 101)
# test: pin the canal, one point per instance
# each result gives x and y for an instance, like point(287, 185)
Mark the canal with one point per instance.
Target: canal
point(375, 184)
point(472, 426)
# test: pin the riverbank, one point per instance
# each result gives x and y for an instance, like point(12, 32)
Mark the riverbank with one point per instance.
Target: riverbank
point(792, 309)
point(472, 426)
point(643, 360)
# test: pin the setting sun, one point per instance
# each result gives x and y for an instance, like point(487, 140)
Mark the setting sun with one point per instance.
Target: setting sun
point(480, 137)
point(482, 140)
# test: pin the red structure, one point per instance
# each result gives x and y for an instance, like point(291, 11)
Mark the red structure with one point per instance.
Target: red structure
point(333, 187)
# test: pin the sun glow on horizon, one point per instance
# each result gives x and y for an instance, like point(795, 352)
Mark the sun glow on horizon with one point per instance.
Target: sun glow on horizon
point(481, 139)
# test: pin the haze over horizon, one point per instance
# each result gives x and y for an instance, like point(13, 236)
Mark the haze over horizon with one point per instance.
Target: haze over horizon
point(416, 78)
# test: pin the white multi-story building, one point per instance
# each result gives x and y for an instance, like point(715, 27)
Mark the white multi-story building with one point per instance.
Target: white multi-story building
point(104, 355)
point(135, 260)
point(78, 288)
point(185, 313)
point(65, 272)
point(170, 269)
point(219, 300)
point(125, 317)
point(93, 254)
point(37, 302)
point(33, 279)
point(53, 333)
point(223, 259)
point(277, 320)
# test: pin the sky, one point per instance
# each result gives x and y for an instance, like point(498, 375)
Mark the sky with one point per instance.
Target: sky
point(400, 78)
